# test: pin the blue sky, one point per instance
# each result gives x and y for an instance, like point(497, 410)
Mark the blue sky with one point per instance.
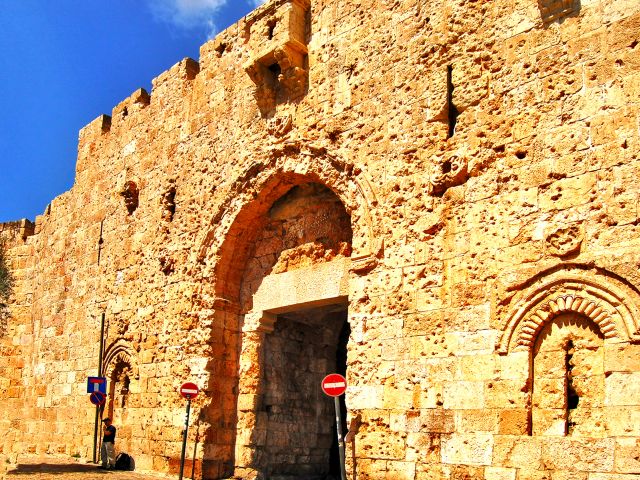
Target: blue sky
point(64, 62)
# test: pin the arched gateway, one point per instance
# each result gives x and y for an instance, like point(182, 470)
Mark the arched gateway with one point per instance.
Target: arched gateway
point(281, 280)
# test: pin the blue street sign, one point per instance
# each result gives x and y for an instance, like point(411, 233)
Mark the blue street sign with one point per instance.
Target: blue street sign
point(97, 384)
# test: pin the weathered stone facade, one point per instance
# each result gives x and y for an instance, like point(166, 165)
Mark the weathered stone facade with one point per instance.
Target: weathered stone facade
point(438, 197)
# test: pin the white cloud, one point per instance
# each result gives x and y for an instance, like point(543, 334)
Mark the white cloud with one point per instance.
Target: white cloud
point(187, 14)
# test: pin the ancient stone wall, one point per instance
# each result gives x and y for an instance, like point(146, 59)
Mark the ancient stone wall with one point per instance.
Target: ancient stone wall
point(459, 177)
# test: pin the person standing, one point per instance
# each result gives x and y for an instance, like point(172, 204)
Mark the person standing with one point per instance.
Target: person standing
point(107, 452)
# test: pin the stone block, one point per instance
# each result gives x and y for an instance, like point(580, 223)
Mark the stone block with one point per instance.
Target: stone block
point(514, 422)
point(476, 421)
point(498, 473)
point(521, 452)
point(464, 395)
point(366, 396)
point(574, 454)
point(401, 470)
point(626, 455)
point(381, 445)
point(622, 388)
point(467, 449)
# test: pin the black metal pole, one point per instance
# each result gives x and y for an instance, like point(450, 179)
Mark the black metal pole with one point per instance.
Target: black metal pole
point(101, 346)
point(343, 471)
point(95, 427)
point(184, 438)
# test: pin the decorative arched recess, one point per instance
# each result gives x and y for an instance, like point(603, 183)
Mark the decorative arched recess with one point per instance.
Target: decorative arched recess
point(118, 353)
point(610, 302)
point(269, 178)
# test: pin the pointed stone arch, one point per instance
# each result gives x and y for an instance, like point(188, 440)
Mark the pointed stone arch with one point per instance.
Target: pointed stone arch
point(122, 377)
point(267, 179)
point(599, 296)
point(118, 353)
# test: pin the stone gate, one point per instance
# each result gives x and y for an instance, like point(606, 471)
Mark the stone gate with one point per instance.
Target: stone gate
point(437, 199)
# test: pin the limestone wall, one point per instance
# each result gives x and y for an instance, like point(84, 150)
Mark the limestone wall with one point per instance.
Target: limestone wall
point(487, 156)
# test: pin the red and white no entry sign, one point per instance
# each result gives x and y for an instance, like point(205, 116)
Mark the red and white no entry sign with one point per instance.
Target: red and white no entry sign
point(334, 385)
point(189, 390)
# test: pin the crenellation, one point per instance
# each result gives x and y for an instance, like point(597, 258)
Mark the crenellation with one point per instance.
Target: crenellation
point(185, 70)
point(123, 112)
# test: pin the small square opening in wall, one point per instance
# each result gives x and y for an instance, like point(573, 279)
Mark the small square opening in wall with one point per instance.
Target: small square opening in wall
point(551, 10)
point(271, 28)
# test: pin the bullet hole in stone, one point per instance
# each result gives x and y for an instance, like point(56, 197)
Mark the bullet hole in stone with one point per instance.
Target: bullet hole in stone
point(619, 62)
point(167, 265)
point(446, 167)
point(521, 154)
point(625, 144)
point(634, 44)
point(125, 112)
point(499, 149)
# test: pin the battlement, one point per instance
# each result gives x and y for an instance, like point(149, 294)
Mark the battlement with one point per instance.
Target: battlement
point(274, 39)
point(129, 107)
point(17, 232)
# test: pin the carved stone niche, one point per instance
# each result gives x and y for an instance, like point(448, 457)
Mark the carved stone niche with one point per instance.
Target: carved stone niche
point(551, 10)
point(451, 172)
point(278, 44)
point(565, 240)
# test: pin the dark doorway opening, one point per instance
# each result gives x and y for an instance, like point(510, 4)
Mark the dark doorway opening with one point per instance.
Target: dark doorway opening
point(299, 419)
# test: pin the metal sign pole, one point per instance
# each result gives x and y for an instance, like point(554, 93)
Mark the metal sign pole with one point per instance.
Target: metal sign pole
point(95, 435)
point(343, 471)
point(184, 439)
point(95, 427)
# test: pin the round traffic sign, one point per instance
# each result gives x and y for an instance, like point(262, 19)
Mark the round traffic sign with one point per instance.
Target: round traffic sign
point(334, 385)
point(97, 398)
point(189, 390)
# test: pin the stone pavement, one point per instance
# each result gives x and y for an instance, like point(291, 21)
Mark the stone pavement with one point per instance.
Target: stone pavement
point(59, 468)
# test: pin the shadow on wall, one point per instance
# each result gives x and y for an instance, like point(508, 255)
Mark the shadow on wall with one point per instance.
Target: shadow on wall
point(552, 10)
point(54, 469)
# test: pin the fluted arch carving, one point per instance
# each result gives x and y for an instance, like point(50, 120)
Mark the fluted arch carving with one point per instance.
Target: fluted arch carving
point(608, 302)
point(534, 322)
point(117, 354)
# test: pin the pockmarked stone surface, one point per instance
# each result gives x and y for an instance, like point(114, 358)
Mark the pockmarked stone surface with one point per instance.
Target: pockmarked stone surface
point(436, 199)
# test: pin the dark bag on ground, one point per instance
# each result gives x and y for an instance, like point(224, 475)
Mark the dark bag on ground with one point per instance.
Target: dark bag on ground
point(124, 462)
